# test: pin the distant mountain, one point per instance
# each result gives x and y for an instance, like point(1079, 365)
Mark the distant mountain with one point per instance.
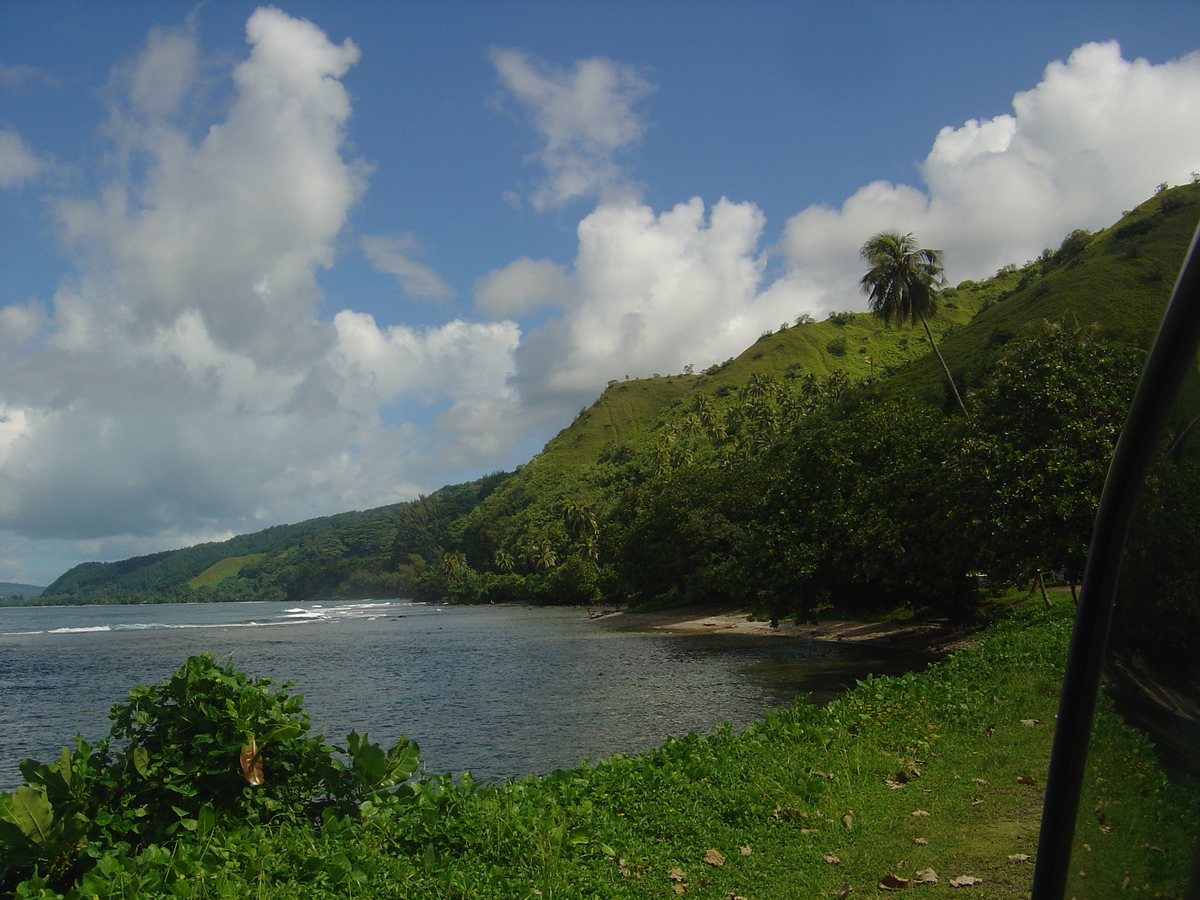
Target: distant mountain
point(10, 589)
point(550, 531)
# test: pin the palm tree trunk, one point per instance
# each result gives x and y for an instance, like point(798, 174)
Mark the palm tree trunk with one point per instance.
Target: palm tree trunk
point(946, 369)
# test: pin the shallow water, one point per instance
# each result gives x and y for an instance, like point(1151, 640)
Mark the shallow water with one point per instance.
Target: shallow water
point(500, 691)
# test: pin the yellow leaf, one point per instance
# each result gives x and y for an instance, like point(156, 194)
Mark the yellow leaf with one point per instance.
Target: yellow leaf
point(251, 762)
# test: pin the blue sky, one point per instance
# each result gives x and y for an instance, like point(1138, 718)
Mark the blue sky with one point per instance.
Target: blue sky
point(265, 264)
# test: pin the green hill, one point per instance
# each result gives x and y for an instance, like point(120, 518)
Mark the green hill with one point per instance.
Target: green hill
point(11, 590)
point(695, 464)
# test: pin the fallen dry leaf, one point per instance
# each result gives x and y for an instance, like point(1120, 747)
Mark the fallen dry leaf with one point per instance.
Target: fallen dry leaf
point(975, 801)
point(790, 812)
point(893, 883)
point(919, 813)
point(964, 881)
point(895, 786)
point(1031, 721)
point(732, 896)
point(848, 819)
point(679, 888)
point(1019, 857)
point(808, 831)
point(926, 876)
point(677, 875)
point(1026, 779)
point(832, 859)
point(745, 850)
point(920, 842)
point(980, 781)
point(714, 858)
point(844, 891)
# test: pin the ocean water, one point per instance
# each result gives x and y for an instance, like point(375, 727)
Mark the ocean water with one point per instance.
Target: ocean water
point(500, 691)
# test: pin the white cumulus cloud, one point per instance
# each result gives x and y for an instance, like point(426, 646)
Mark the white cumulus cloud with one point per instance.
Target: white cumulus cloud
point(584, 117)
point(1094, 137)
point(523, 285)
point(654, 292)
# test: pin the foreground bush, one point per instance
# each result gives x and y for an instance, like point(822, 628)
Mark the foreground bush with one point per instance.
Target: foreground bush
point(207, 747)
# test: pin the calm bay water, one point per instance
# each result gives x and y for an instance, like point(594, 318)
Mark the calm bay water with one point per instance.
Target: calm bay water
point(499, 691)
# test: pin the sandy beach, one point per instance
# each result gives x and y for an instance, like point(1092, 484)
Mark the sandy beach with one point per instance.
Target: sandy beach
point(933, 635)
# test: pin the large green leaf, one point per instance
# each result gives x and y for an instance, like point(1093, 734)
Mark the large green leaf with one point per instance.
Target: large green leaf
point(30, 811)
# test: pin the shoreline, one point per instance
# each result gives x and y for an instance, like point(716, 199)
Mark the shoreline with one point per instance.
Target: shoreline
point(934, 635)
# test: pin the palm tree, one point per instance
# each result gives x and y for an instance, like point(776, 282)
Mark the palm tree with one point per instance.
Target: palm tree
point(543, 555)
point(902, 284)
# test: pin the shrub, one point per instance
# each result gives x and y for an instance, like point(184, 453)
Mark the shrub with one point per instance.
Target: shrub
point(209, 744)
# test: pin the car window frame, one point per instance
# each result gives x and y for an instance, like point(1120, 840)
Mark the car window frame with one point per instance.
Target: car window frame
point(1174, 348)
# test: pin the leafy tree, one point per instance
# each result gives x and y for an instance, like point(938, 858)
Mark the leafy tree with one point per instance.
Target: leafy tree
point(860, 502)
point(1029, 478)
point(901, 285)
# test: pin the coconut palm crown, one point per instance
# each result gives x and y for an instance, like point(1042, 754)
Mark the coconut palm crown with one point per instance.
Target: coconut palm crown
point(903, 278)
point(901, 286)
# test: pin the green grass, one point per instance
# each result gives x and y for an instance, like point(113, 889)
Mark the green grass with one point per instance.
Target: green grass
point(224, 568)
point(800, 789)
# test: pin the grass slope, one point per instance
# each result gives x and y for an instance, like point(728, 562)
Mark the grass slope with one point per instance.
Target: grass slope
point(224, 568)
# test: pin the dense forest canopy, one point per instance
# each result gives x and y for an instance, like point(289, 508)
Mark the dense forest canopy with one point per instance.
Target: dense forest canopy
point(830, 463)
